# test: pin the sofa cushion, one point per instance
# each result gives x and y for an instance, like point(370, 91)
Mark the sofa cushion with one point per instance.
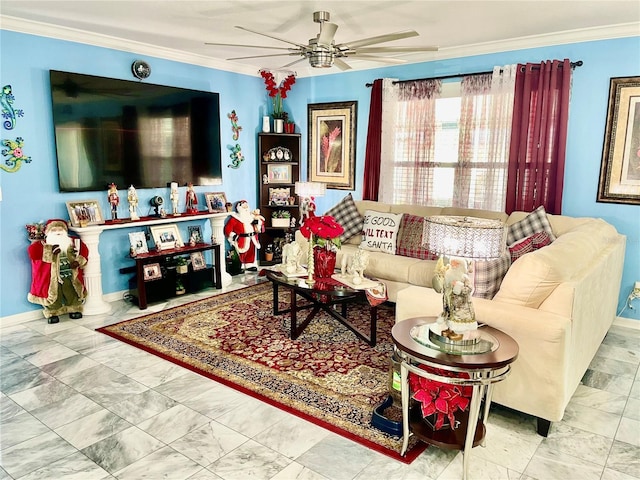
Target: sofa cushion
point(380, 231)
point(346, 214)
point(409, 243)
point(534, 222)
point(488, 275)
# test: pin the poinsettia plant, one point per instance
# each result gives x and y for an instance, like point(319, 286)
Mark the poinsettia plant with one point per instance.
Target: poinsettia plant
point(439, 399)
point(277, 92)
point(322, 231)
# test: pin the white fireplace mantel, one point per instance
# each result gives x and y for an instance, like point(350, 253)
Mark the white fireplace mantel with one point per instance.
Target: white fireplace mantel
point(90, 235)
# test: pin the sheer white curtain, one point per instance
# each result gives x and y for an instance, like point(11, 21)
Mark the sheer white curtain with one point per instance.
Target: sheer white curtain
point(485, 132)
point(408, 132)
point(447, 151)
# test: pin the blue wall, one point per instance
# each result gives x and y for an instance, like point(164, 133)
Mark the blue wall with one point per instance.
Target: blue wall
point(32, 193)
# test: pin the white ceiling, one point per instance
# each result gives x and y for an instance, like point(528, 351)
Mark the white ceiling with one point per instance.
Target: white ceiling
point(178, 29)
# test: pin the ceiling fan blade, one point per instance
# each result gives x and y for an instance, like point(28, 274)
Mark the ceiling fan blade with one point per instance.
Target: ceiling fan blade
point(327, 32)
point(264, 56)
point(272, 36)
point(341, 64)
point(431, 48)
point(247, 46)
point(375, 58)
point(293, 63)
point(379, 39)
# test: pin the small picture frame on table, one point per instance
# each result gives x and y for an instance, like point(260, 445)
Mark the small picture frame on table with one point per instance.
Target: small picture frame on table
point(197, 261)
point(166, 236)
point(216, 202)
point(138, 241)
point(195, 233)
point(85, 212)
point(279, 173)
point(279, 196)
point(152, 271)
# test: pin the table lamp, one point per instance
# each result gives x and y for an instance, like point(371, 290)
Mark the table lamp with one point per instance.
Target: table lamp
point(462, 240)
point(306, 191)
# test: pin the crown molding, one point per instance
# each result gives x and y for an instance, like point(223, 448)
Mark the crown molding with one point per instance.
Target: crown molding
point(520, 43)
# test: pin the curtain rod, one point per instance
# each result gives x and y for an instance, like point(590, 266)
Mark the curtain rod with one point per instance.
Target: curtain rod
point(579, 63)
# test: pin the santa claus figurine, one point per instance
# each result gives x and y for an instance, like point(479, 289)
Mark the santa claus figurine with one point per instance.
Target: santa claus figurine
point(242, 232)
point(57, 265)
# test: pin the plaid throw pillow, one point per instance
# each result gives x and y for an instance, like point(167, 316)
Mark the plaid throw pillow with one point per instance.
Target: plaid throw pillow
point(529, 244)
point(488, 275)
point(535, 222)
point(409, 242)
point(346, 214)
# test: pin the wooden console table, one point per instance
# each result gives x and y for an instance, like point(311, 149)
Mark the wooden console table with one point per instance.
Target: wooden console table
point(156, 255)
point(90, 235)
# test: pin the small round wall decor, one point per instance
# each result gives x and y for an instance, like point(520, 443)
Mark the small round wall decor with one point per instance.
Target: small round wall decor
point(141, 69)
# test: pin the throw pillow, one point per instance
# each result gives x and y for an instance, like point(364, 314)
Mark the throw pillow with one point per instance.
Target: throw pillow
point(409, 242)
point(535, 222)
point(488, 275)
point(346, 214)
point(529, 244)
point(380, 231)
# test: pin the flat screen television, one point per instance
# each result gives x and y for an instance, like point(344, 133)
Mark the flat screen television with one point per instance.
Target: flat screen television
point(133, 133)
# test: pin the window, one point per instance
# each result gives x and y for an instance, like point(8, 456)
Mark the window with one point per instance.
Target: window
point(451, 149)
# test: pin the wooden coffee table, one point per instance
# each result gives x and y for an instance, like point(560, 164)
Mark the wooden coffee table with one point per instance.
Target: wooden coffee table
point(321, 296)
point(485, 365)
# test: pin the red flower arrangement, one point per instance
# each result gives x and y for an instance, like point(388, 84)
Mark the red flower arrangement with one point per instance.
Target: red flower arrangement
point(440, 399)
point(324, 230)
point(277, 93)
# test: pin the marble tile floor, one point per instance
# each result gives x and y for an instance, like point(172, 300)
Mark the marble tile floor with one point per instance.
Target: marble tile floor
point(77, 404)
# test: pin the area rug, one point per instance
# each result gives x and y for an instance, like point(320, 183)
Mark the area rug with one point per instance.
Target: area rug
point(327, 376)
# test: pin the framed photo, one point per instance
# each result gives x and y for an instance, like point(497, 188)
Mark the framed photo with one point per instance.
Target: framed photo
point(166, 236)
point(152, 271)
point(197, 261)
point(620, 167)
point(195, 233)
point(332, 149)
point(279, 196)
point(85, 212)
point(216, 202)
point(138, 241)
point(279, 173)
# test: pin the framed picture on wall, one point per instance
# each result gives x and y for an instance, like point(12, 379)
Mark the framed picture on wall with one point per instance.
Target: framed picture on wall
point(332, 144)
point(620, 167)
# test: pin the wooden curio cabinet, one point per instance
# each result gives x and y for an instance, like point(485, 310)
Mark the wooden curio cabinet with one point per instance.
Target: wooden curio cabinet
point(279, 170)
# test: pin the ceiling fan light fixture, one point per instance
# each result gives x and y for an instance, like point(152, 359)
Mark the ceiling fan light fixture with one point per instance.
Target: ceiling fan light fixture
point(321, 59)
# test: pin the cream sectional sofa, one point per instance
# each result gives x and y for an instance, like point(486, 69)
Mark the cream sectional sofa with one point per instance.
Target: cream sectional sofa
point(557, 302)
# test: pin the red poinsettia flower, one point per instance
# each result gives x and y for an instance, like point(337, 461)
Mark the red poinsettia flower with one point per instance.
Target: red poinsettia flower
point(440, 399)
point(324, 230)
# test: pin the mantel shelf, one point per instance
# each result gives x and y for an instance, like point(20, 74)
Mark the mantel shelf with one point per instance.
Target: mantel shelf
point(145, 221)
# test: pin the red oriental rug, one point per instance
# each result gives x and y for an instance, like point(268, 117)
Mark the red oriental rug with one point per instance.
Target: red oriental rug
point(327, 376)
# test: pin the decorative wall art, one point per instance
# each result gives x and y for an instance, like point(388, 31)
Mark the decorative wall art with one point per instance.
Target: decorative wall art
point(332, 137)
point(216, 202)
point(85, 212)
point(236, 155)
point(234, 124)
point(620, 168)
point(9, 113)
point(15, 155)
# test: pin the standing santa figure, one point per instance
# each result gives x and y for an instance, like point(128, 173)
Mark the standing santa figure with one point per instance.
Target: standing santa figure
point(242, 232)
point(57, 265)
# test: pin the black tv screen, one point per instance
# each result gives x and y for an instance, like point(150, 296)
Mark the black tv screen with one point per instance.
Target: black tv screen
point(133, 133)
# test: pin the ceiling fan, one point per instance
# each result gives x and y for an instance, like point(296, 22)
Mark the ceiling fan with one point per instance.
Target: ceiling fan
point(323, 52)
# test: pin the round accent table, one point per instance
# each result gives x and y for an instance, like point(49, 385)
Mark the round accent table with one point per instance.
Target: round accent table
point(484, 363)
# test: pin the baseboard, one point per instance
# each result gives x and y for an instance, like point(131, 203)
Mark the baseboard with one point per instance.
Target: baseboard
point(32, 315)
point(627, 323)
